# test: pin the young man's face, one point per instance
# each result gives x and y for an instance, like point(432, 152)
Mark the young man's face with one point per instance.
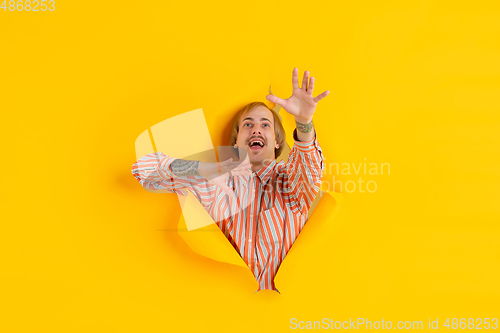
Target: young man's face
point(256, 135)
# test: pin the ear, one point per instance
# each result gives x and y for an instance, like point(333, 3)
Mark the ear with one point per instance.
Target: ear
point(276, 144)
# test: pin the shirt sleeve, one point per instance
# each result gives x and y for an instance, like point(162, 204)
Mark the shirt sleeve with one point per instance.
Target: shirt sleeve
point(153, 172)
point(302, 173)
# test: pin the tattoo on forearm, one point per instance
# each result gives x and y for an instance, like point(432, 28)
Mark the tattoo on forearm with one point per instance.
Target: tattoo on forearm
point(184, 168)
point(305, 128)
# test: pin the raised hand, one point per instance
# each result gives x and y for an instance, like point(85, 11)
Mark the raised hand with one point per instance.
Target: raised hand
point(301, 104)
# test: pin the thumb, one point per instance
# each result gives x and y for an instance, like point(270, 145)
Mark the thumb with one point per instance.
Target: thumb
point(276, 100)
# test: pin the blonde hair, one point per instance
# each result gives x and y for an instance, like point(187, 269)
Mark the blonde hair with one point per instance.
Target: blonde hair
point(279, 131)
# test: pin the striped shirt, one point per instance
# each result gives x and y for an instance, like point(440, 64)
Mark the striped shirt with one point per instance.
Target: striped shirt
point(266, 214)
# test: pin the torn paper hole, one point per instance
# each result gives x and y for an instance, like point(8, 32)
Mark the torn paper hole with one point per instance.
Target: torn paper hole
point(196, 226)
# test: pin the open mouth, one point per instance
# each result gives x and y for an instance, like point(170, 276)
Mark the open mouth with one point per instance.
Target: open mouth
point(256, 144)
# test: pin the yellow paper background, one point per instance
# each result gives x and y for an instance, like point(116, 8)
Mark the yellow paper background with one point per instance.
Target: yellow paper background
point(413, 84)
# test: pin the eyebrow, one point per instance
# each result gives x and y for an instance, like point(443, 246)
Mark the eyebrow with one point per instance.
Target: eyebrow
point(261, 119)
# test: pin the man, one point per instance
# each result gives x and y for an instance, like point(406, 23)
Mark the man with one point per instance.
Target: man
point(262, 205)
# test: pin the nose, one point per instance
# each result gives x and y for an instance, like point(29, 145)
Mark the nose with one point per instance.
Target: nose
point(256, 131)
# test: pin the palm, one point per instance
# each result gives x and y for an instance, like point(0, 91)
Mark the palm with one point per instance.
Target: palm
point(301, 104)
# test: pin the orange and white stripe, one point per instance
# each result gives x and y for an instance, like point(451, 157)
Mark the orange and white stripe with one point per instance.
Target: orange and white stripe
point(273, 203)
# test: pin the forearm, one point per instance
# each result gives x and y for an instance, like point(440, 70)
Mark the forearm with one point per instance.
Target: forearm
point(185, 168)
point(303, 172)
point(305, 129)
point(181, 168)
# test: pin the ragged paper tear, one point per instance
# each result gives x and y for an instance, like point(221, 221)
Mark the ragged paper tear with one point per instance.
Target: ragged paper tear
point(196, 226)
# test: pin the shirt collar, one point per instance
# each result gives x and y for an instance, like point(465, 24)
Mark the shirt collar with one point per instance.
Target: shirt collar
point(265, 173)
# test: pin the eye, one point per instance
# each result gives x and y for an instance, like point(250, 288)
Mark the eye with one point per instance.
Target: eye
point(266, 125)
point(246, 124)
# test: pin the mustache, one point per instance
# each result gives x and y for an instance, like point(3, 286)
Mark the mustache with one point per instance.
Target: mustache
point(257, 137)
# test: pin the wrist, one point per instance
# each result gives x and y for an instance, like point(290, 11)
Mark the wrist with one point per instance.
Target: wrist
point(302, 120)
point(202, 167)
point(304, 125)
point(209, 170)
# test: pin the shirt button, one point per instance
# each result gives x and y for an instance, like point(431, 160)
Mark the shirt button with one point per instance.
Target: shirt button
point(251, 215)
point(249, 240)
